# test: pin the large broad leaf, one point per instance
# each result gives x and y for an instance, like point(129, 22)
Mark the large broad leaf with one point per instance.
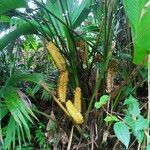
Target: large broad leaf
point(131, 7)
point(138, 12)
point(6, 5)
point(142, 35)
point(23, 29)
point(122, 132)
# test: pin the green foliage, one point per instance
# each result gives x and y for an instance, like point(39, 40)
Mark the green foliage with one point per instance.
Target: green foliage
point(80, 12)
point(9, 5)
point(133, 106)
point(85, 34)
point(19, 76)
point(103, 100)
point(133, 122)
point(23, 29)
point(4, 19)
point(122, 132)
point(18, 107)
point(111, 118)
point(138, 13)
point(40, 137)
point(20, 115)
point(30, 42)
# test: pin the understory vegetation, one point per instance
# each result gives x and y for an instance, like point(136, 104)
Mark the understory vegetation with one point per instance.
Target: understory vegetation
point(74, 74)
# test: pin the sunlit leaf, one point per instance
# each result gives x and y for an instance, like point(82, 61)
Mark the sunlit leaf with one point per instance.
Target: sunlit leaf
point(111, 119)
point(103, 100)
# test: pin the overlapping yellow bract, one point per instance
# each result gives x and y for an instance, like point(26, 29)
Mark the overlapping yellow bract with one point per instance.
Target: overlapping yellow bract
point(62, 86)
point(77, 99)
point(73, 109)
point(75, 114)
point(57, 56)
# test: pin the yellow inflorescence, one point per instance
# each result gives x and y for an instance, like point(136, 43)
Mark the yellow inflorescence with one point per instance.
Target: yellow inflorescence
point(75, 114)
point(57, 56)
point(62, 86)
point(77, 99)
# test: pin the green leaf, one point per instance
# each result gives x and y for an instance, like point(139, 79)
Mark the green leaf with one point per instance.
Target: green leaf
point(4, 19)
point(16, 21)
point(111, 119)
point(19, 76)
point(133, 106)
point(139, 135)
point(142, 35)
point(103, 100)
point(129, 120)
point(122, 132)
point(23, 29)
point(3, 112)
point(80, 12)
point(19, 109)
point(21, 115)
point(138, 12)
point(6, 5)
point(131, 8)
point(141, 124)
point(9, 133)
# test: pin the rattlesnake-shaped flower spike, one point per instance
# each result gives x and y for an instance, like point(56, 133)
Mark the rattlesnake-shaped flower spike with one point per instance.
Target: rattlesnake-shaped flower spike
point(75, 114)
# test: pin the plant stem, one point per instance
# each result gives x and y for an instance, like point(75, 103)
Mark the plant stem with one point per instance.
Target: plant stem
point(96, 88)
point(46, 115)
